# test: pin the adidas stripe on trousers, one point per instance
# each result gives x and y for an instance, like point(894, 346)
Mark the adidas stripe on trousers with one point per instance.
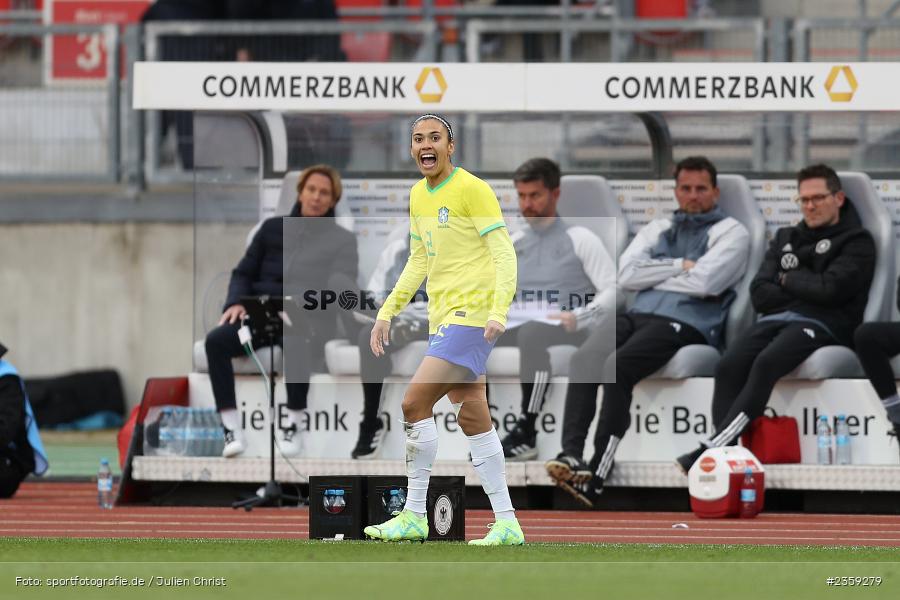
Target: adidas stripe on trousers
point(644, 343)
point(749, 369)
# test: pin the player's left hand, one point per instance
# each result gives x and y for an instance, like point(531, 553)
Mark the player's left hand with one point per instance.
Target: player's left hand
point(566, 319)
point(493, 330)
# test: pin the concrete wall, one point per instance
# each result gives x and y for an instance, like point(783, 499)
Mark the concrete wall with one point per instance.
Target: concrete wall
point(84, 296)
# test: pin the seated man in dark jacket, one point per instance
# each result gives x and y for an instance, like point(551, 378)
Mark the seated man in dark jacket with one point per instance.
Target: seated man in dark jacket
point(21, 450)
point(876, 343)
point(324, 252)
point(811, 291)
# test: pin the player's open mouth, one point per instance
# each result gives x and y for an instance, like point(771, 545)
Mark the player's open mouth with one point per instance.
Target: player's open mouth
point(428, 160)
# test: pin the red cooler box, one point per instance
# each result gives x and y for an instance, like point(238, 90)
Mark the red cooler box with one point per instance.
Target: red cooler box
point(714, 481)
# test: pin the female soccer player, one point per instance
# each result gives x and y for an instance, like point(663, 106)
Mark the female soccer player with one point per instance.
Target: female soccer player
point(460, 242)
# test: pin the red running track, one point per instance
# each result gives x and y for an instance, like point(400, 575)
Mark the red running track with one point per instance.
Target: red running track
point(52, 509)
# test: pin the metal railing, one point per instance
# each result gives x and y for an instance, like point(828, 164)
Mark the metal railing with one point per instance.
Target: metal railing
point(56, 129)
point(54, 124)
point(223, 41)
point(620, 34)
point(846, 40)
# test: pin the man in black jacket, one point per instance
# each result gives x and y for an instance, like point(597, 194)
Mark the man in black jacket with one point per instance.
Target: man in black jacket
point(811, 291)
point(876, 343)
point(21, 450)
point(322, 251)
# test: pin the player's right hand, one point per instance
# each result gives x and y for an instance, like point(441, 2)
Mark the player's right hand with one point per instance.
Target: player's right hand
point(381, 337)
point(233, 313)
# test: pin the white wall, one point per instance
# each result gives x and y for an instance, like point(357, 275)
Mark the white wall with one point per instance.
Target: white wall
point(85, 296)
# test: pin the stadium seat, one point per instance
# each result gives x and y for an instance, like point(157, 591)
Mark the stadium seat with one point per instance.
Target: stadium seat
point(584, 199)
point(590, 196)
point(840, 361)
point(700, 360)
point(373, 46)
point(244, 365)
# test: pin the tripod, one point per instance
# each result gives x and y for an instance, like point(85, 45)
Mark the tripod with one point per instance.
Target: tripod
point(264, 313)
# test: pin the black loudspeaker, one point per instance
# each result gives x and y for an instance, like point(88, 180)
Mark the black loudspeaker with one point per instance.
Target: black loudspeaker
point(445, 506)
point(347, 504)
point(337, 505)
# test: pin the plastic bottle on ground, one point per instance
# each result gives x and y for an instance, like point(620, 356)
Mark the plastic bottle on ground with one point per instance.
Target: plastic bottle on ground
point(104, 485)
point(748, 495)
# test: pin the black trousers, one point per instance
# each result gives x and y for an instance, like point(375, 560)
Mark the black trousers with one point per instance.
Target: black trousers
point(749, 369)
point(643, 344)
point(222, 344)
point(876, 344)
point(534, 339)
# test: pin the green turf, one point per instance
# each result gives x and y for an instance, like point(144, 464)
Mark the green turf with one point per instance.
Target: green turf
point(264, 570)
point(78, 453)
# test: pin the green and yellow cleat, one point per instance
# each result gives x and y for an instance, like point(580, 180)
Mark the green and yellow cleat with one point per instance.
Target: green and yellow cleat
point(405, 527)
point(505, 532)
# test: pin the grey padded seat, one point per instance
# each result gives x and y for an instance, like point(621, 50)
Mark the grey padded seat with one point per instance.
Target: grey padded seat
point(700, 360)
point(584, 199)
point(839, 361)
point(244, 365)
point(590, 196)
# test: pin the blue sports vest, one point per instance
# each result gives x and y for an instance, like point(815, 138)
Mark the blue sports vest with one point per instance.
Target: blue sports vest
point(34, 438)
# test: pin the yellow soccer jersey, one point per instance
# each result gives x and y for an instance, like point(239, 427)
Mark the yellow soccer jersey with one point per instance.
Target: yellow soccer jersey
point(447, 225)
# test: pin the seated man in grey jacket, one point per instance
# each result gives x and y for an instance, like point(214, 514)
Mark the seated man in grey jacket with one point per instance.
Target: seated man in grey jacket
point(566, 284)
point(683, 270)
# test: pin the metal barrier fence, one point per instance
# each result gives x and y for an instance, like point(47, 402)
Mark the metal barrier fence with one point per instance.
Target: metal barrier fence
point(628, 40)
point(872, 140)
point(378, 40)
point(55, 123)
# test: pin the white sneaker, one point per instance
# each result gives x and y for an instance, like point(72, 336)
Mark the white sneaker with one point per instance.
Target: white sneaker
point(234, 443)
point(289, 444)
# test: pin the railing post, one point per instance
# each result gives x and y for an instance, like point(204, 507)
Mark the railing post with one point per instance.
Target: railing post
point(114, 116)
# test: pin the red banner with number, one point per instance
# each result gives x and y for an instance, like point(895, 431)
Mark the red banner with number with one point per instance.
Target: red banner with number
point(82, 56)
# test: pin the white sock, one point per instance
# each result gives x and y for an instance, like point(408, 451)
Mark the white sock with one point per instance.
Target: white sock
point(421, 448)
point(231, 420)
point(487, 458)
point(295, 417)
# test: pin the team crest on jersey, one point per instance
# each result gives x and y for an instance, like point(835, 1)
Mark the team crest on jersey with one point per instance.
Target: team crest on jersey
point(443, 216)
point(823, 246)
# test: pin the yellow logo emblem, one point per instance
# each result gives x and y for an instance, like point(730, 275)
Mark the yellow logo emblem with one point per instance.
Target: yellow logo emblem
point(851, 82)
point(431, 97)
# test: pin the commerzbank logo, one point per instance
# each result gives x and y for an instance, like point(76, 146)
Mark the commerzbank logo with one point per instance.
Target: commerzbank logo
point(839, 81)
point(431, 85)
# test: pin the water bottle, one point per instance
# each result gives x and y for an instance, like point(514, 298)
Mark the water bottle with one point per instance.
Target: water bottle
point(748, 495)
point(104, 485)
point(823, 440)
point(842, 441)
point(165, 431)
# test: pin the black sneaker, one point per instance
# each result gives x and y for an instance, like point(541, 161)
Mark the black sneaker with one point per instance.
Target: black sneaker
point(586, 492)
point(686, 461)
point(520, 443)
point(566, 467)
point(369, 442)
